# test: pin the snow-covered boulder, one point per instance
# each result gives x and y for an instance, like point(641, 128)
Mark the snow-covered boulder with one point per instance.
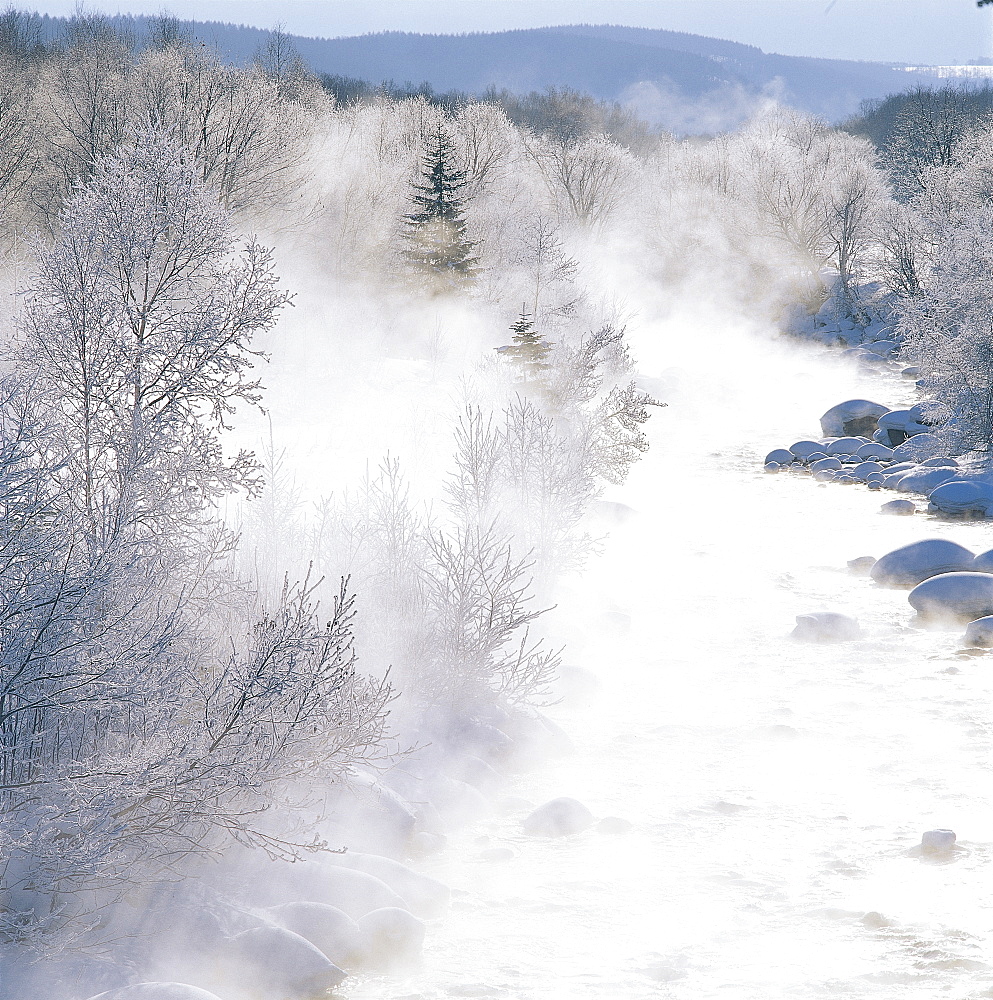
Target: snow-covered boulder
point(803, 449)
point(874, 450)
point(861, 565)
point(558, 818)
point(910, 564)
point(892, 479)
point(918, 448)
point(852, 418)
point(781, 456)
point(954, 595)
point(938, 840)
point(156, 991)
point(772, 467)
point(940, 463)
point(892, 427)
point(983, 563)
point(390, 937)
point(825, 464)
point(275, 882)
point(961, 496)
point(424, 896)
point(924, 480)
point(846, 445)
point(898, 507)
point(826, 626)
point(274, 961)
point(864, 469)
point(329, 929)
point(980, 632)
point(614, 825)
point(882, 347)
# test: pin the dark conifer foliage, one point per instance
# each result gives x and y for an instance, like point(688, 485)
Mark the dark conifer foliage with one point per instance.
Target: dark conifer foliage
point(435, 237)
point(529, 350)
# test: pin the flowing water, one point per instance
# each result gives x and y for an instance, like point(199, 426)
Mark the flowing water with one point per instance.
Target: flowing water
point(777, 789)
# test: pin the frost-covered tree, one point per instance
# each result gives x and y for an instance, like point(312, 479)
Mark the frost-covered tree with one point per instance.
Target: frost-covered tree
point(435, 234)
point(138, 329)
point(132, 733)
point(550, 272)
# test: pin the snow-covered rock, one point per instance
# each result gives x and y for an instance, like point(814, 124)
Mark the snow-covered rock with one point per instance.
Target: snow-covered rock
point(157, 991)
point(980, 632)
point(558, 818)
point(892, 427)
point(846, 445)
point(938, 840)
point(875, 450)
point(390, 937)
point(910, 564)
point(772, 467)
point(330, 930)
point(961, 496)
point(851, 418)
point(826, 626)
point(983, 563)
point(276, 882)
point(424, 896)
point(803, 449)
point(864, 469)
point(899, 507)
point(861, 565)
point(924, 480)
point(940, 463)
point(274, 961)
point(614, 825)
point(954, 595)
point(825, 464)
point(781, 456)
point(882, 347)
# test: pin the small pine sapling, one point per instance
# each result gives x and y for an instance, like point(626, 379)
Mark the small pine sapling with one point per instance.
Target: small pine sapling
point(529, 351)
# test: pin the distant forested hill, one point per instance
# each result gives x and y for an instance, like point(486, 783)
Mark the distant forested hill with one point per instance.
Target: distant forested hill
point(659, 70)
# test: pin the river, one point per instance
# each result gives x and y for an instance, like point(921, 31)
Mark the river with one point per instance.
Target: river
point(776, 788)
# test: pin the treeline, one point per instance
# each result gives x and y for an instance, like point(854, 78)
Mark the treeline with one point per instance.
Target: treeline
point(174, 682)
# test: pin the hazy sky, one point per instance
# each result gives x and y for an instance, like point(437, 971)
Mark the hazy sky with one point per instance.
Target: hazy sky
point(913, 31)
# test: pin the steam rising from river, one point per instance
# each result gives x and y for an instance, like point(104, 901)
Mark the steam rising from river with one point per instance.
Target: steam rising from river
point(775, 788)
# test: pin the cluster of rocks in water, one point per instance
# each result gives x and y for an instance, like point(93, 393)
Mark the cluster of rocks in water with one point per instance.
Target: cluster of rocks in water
point(866, 443)
point(294, 930)
point(947, 583)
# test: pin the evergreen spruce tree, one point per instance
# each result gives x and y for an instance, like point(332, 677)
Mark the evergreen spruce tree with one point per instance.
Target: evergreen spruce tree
point(435, 233)
point(529, 350)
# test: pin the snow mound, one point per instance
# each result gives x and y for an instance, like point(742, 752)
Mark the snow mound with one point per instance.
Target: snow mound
point(954, 595)
point(852, 418)
point(911, 564)
point(980, 632)
point(157, 991)
point(961, 496)
point(558, 818)
point(925, 480)
point(826, 626)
